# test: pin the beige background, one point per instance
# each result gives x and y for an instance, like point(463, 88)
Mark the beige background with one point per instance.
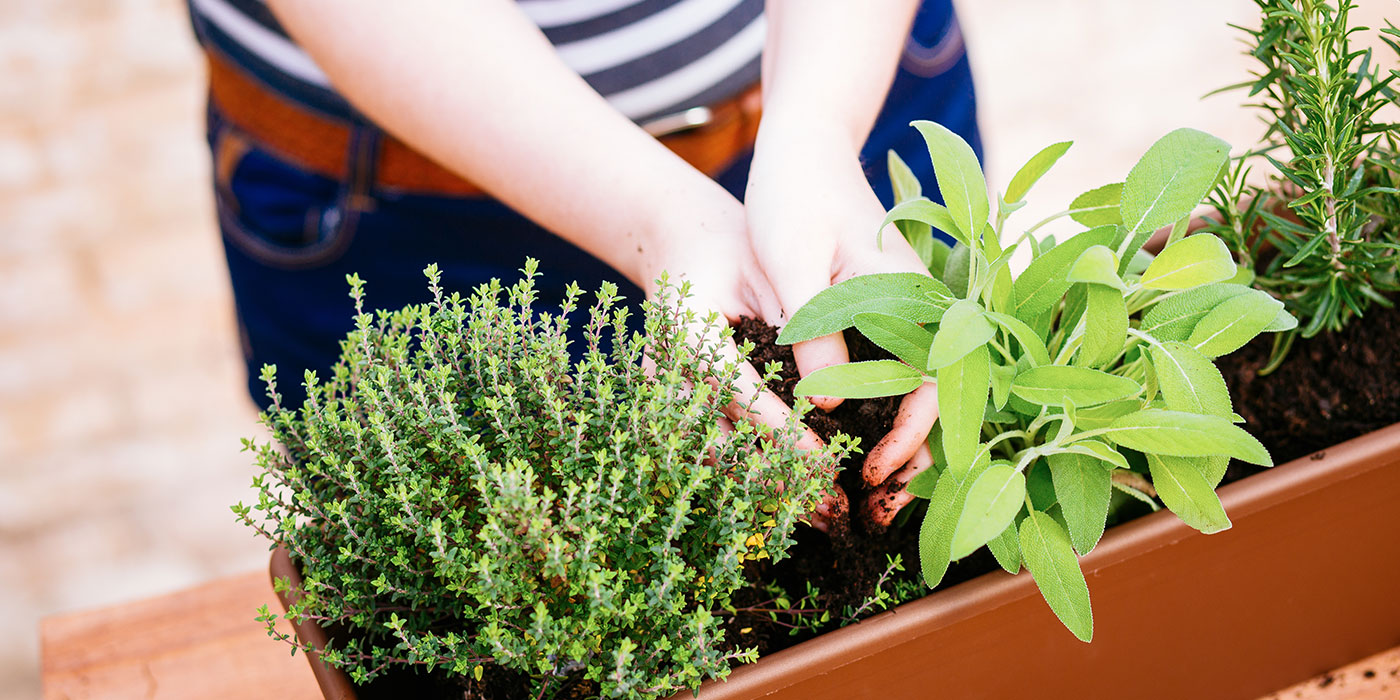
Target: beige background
point(121, 391)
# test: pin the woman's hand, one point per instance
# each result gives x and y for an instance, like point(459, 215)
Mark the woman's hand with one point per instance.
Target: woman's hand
point(812, 219)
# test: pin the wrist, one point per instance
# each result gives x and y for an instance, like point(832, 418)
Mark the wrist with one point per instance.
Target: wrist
point(674, 222)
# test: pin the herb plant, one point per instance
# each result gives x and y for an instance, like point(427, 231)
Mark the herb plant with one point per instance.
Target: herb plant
point(1090, 370)
point(1323, 234)
point(457, 494)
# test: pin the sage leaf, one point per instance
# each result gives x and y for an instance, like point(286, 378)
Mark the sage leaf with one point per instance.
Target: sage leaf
point(902, 180)
point(960, 179)
point(962, 399)
point(906, 340)
point(1099, 206)
point(1189, 381)
point(936, 531)
point(1002, 376)
point(1283, 321)
point(1099, 451)
point(1031, 342)
point(955, 269)
point(1105, 326)
point(1095, 417)
point(1186, 491)
point(1006, 547)
point(1083, 489)
point(1174, 317)
point(1190, 262)
point(1051, 385)
point(937, 257)
point(1097, 265)
point(1049, 555)
point(991, 504)
point(908, 295)
point(1034, 169)
point(861, 380)
point(1234, 322)
point(964, 328)
point(1040, 485)
point(1181, 434)
point(1046, 280)
point(923, 211)
point(923, 483)
point(1171, 179)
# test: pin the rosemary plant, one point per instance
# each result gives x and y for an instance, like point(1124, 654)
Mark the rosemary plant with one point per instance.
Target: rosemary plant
point(1323, 235)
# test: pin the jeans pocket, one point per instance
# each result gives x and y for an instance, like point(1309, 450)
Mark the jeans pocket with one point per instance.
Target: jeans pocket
point(274, 211)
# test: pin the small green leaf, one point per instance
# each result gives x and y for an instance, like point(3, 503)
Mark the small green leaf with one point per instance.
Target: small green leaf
point(907, 341)
point(1034, 169)
point(962, 399)
point(1176, 316)
point(907, 295)
point(960, 178)
point(938, 254)
point(861, 380)
point(902, 180)
point(1186, 491)
point(1234, 322)
point(1006, 547)
point(1189, 381)
point(1105, 326)
point(1098, 207)
point(992, 502)
point(1155, 430)
point(1083, 490)
point(1097, 265)
point(1031, 342)
point(965, 328)
point(1051, 385)
point(924, 211)
point(1175, 174)
point(1049, 555)
point(1190, 262)
point(1095, 417)
point(1283, 321)
point(1098, 450)
point(936, 531)
point(1002, 376)
point(923, 483)
point(1040, 485)
point(1046, 279)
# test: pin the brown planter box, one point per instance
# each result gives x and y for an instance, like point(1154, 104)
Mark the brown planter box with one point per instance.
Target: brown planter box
point(1306, 581)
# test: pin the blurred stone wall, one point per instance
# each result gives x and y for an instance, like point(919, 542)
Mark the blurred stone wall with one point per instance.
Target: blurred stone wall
point(121, 399)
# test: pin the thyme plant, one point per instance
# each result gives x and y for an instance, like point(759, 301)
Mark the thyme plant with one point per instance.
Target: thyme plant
point(1323, 234)
point(458, 494)
point(1090, 370)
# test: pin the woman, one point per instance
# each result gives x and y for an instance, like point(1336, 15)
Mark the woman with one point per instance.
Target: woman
point(376, 137)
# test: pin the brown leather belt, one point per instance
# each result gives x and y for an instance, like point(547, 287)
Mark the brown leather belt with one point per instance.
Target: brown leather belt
point(322, 144)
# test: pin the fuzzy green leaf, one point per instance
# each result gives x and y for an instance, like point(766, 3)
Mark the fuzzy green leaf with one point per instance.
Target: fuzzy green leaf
point(962, 399)
point(1046, 279)
point(992, 502)
point(1234, 322)
point(861, 380)
point(965, 328)
point(1097, 265)
point(1283, 321)
point(1034, 169)
point(1190, 262)
point(1175, 174)
point(913, 297)
point(1031, 342)
point(1083, 489)
point(1098, 450)
point(923, 211)
point(1176, 316)
point(1105, 326)
point(1095, 417)
point(1006, 547)
point(1049, 555)
point(902, 180)
point(1099, 206)
point(1155, 430)
point(907, 341)
point(1052, 385)
point(1002, 376)
point(1189, 381)
point(936, 531)
point(1187, 491)
point(960, 178)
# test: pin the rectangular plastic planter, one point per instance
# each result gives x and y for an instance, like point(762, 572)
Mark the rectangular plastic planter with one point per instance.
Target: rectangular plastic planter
point(1307, 580)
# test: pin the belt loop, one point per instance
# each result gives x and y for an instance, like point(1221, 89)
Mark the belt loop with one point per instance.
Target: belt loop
point(362, 164)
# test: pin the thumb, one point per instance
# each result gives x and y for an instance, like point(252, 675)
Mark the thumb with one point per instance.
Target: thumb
point(819, 353)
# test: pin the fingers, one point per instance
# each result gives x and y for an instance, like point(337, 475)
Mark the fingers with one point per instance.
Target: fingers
point(756, 404)
point(832, 515)
point(917, 413)
point(885, 502)
point(819, 353)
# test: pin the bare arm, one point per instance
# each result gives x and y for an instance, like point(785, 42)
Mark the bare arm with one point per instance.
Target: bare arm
point(476, 86)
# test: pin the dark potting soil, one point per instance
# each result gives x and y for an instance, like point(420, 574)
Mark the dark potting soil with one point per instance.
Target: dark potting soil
point(846, 566)
point(1331, 388)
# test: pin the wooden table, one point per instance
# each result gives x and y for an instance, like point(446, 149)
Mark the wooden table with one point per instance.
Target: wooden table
point(204, 643)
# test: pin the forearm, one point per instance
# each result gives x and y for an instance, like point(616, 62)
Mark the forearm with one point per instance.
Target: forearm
point(477, 87)
point(829, 63)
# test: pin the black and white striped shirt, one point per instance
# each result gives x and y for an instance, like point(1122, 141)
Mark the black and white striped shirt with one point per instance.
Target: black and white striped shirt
point(649, 58)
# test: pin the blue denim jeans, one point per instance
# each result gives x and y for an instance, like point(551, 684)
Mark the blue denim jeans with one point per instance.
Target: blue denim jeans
point(291, 236)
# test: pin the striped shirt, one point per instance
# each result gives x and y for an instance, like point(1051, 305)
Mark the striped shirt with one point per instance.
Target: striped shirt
point(649, 58)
